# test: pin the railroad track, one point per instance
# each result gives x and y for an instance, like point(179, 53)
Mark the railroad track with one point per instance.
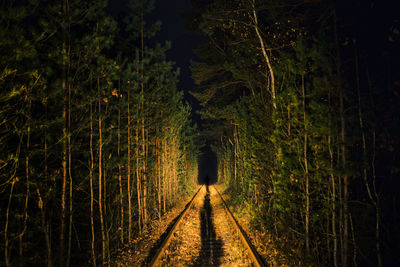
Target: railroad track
point(206, 234)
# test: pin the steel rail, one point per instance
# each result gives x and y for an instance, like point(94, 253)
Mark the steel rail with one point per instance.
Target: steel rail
point(168, 238)
point(242, 234)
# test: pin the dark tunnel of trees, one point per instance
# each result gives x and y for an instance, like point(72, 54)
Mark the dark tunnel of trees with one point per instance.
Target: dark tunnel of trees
point(208, 166)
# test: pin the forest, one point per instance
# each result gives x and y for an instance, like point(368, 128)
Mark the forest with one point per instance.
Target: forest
point(298, 102)
point(96, 139)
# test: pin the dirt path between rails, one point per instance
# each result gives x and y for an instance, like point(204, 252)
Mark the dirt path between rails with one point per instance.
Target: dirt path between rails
point(141, 250)
point(206, 236)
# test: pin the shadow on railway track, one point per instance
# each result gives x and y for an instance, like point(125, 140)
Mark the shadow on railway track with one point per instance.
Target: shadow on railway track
point(211, 247)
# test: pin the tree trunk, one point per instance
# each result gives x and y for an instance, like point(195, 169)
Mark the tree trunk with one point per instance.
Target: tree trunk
point(70, 176)
point(235, 156)
point(121, 196)
point(105, 216)
point(43, 209)
point(333, 190)
point(264, 52)
point(6, 259)
point(91, 187)
point(128, 165)
point(343, 145)
point(103, 235)
point(333, 187)
point(354, 241)
point(21, 235)
point(44, 227)
point(137, 169)
point(64, 164)
point(164, 173)
point(144, 217)
point(159, 179)
point(306, 175)
point(144, 176)
point(378, 205)
point(138, 178)
point(65, 13)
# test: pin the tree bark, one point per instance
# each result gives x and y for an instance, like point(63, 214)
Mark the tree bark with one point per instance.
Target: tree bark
point(333, 205)
point(138, 177)
point(306, 174)
point(43, 209)
point(65, 13)
point(64, 164)
point(103, 236)
point(69, 176)
point(21, 235)
point(6, 258)
point(128, 166)
point(91, 187)
point(264, 52)
point(164, 172)
point(44, 227)
point(144, 176)
point(121, 196)
point(159, 179)
point(378, 205)
point(343, 146)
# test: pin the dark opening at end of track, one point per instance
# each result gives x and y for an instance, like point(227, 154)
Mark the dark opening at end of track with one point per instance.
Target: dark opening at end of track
point(208, 166)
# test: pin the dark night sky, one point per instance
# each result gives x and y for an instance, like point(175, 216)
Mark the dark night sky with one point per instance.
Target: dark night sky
point(183, 43)
point(172, 29)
